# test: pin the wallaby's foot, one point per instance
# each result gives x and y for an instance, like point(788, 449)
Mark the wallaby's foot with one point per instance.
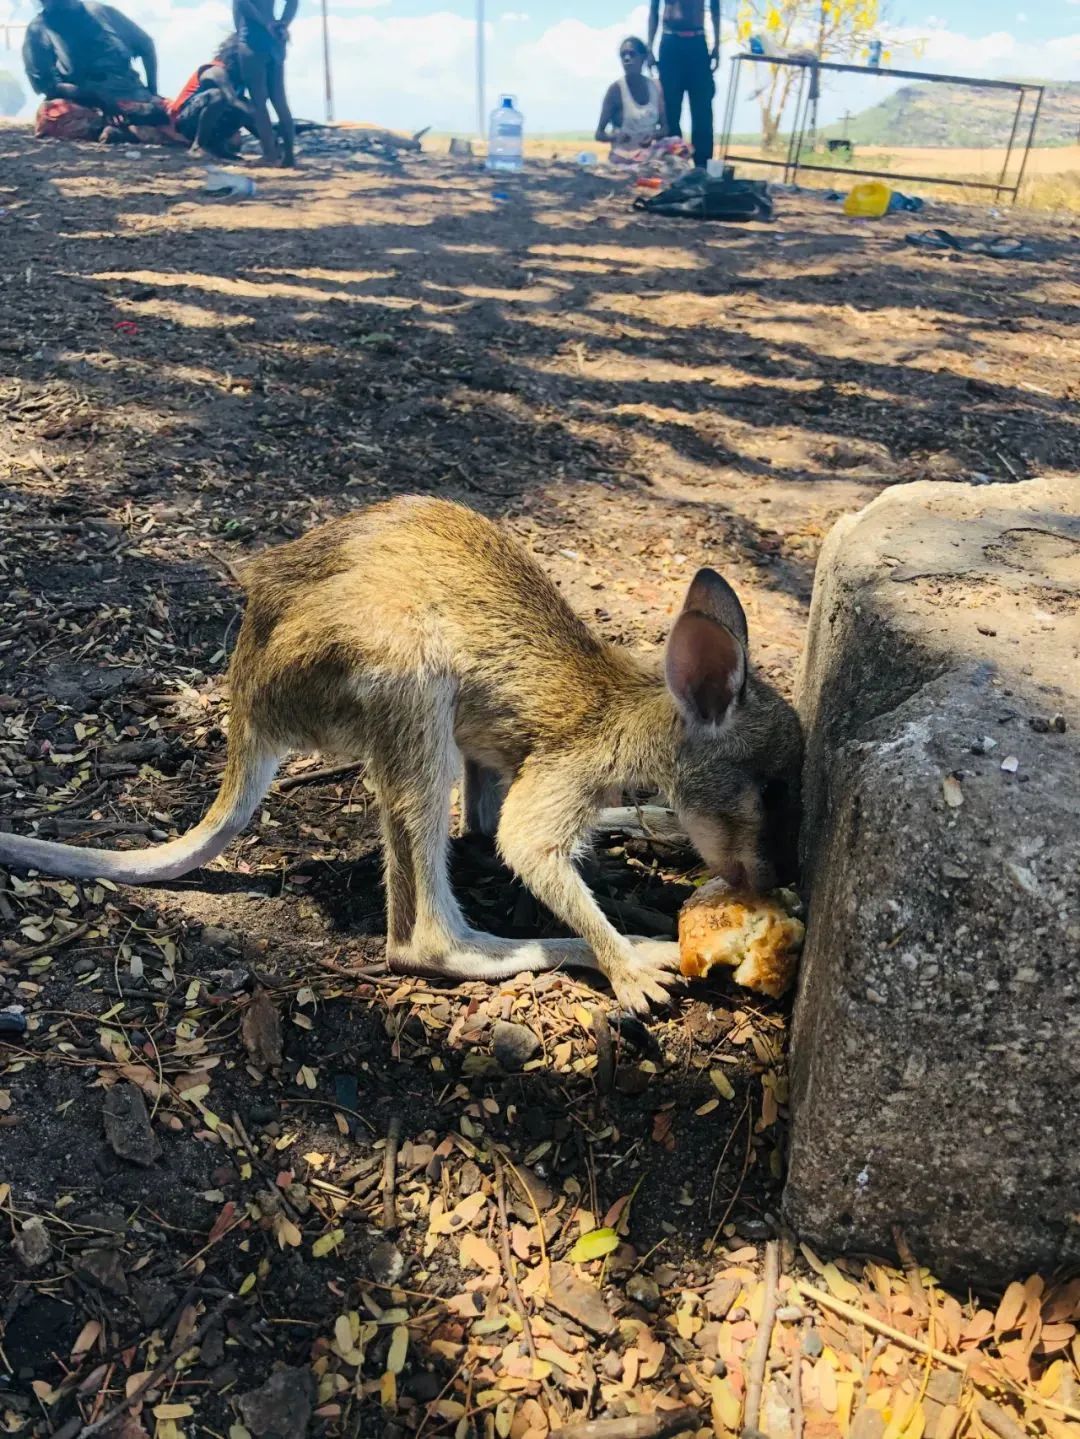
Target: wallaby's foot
point(647, 981)
point(489, 957)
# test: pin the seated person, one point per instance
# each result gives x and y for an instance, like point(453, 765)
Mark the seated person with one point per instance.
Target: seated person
point(632, 120)
point(79, 55)
point(211, 111)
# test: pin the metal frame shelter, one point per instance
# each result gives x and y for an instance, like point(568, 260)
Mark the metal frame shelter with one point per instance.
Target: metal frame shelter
point(810, 70)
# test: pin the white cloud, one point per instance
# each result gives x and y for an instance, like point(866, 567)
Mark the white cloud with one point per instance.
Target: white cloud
point(997, 55)
point(520, 17)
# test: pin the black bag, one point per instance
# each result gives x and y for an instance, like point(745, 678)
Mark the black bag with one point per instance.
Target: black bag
point(700, 197)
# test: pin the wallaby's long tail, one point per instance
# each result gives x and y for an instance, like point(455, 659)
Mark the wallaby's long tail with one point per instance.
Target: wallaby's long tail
point(249, 768)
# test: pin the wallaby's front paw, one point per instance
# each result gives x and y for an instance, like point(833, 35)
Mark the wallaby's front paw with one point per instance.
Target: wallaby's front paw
point(647, 980)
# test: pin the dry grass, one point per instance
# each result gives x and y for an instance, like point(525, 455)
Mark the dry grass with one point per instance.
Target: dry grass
point(1052, 183)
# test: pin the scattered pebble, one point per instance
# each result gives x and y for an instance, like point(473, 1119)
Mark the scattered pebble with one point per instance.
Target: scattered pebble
point(127, 1125)
point(386, 1263)
point(513, 1045)
point(32, 1244)
point(644, 1290)
point(813, 1345)
point(281, 1408)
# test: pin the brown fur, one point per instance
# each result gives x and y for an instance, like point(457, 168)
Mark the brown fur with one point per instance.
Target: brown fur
point(417, 632)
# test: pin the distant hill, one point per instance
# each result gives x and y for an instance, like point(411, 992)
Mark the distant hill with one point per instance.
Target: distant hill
point(11, 94)
point(954, 115)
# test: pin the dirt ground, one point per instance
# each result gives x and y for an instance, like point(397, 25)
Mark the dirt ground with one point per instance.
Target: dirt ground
point(198, 1092)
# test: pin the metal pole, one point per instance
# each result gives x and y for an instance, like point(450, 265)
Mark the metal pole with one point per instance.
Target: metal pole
point(1030, 141)
point(481, 107)
point(329, 84)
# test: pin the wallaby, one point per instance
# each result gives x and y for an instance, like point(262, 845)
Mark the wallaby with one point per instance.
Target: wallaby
point(415, 635)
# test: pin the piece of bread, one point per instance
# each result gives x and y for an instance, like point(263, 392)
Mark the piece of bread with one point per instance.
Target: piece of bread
point(755, 936)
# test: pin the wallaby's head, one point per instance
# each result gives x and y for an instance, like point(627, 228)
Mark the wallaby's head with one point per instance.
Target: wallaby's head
point(738, 766)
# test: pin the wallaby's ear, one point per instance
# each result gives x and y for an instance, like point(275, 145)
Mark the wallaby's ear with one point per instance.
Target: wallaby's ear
point(705, 667)
point(710, 594)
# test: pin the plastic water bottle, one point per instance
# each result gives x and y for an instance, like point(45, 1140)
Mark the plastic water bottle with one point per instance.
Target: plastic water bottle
point(506, 136)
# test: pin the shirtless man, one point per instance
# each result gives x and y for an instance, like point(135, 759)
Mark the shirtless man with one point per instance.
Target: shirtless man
point(687, 67)
point(262, 42)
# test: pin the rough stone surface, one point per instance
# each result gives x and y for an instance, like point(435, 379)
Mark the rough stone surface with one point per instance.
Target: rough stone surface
point(281, 1409)
point(936, 1042)
point(127, 1125)
point(579, 1301)
point(513, 1045)
point(32, 1244)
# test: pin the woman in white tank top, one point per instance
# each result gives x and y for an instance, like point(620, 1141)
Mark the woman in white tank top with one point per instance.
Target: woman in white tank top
point(632, 117)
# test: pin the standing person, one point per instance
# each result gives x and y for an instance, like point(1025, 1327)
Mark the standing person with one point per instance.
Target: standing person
point(687, 67)
point(263, 41)
point(80, 56)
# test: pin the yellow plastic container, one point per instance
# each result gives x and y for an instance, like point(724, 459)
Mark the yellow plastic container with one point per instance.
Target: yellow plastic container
point(868, 201)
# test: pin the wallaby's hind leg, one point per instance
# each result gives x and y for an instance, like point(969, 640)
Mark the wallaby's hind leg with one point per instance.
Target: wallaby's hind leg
point(540, 833)
point(427, 932)
point(483, 791)
point(400, 881)
point(413, 785)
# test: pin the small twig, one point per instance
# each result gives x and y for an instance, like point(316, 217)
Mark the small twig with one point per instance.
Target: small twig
point(659, 1425)
point(226, 564)
point(723, 1155)
point(316, 776)
point(1000, 1423)
point(605, 1052)
point(333, 1104)
point(508, 1265)
point(253, 1155)
point(389, 1174)
point(878, 1326)
point(759, 1358)
point(912, 1272)
point(38, 461)
point(47, 946)
point(375, 974)
point(796, 1394)
point(176, 1353)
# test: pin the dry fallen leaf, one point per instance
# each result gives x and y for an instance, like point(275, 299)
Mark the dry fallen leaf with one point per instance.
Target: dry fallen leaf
point(260, 1030)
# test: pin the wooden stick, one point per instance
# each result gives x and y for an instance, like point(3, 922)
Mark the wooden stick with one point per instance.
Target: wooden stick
point(605, 1053)
point(316, 776)
point(796, 1394)
point(878, 1326)
point(759, 1358)
point(175, 1354)
point(659, 1425)
point(645, 821)
point(508, 1261)
point(32, 951)
point(1000, 1423)
point(389, 1174)
point(912, 1272)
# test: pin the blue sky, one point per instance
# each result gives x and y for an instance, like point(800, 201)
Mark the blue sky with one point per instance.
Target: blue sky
point(409, 63)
